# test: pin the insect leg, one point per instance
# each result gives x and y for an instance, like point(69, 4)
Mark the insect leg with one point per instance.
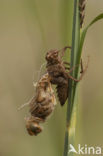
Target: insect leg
point(82, 72)
point(67, 63)
point(76, 80)
point(67, 68)
point(73, 68)
point(22, 106)
point(30, 102)
point(64, 49)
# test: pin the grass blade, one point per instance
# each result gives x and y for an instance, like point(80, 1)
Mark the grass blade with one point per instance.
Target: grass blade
point(83, 34)
point(71, 116)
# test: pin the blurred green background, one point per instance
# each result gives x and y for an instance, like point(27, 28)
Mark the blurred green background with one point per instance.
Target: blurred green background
point(28, 29)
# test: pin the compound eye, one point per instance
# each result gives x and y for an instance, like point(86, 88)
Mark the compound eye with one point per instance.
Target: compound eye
point(33, 128)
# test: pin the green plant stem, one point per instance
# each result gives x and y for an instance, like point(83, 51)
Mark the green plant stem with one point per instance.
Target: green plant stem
point(77, 45)
point(71, 108)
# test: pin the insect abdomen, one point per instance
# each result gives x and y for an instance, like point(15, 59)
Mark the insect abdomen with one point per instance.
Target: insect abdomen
point(62, 92)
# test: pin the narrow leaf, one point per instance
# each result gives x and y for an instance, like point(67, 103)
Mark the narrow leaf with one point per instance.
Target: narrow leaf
point(83, 34)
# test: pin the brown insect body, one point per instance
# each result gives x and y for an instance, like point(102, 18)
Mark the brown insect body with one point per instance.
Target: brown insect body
point(43, 103)
point(57, 70)
point(59, 76)
point(41, 106)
